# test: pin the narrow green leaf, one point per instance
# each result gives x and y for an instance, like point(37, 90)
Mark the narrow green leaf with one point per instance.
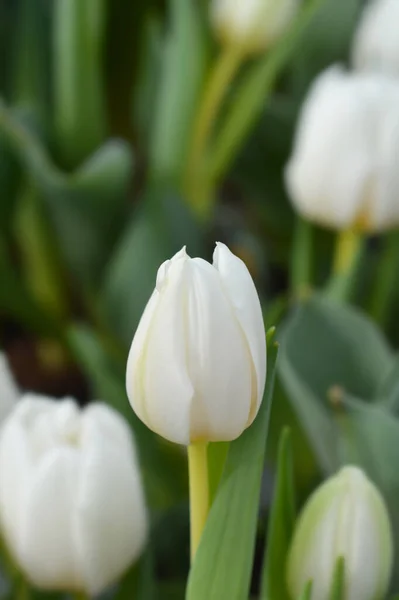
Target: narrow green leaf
point(182, 75)
point(217, 455)
point(79, 98)
point(281, 525)
point(253, 93)
point(337, 591)
point(223, 565)
point(307, 592)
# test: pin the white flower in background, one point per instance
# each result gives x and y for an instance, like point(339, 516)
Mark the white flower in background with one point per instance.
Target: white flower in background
point(197, 366)
point(252, 24)
point(344, 168)
point(346, 516)
point(376, 42)
point(9, 393)
point(71, 500)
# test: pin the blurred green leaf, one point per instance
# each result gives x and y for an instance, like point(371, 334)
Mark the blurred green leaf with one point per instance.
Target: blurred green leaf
point(149, 70)
point(325, 40)
point(79, 94)
point(326, 345)
point(161, 227)
point(280, 526)
point(183, 68)
point(139, 582)
point(223, 564)
point(86, 207)
point(388, 390)
point(307, 592)
point(251, 96)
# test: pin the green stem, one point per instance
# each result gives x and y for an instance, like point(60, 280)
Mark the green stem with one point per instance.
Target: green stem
point(199, 492)
point(301, 258)
point(382, 297)
point(198, 185)
point(348, 253)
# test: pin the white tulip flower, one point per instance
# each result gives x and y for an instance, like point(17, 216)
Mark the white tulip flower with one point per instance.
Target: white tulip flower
point(345, 517)
point(72, 507)
point(197, 365)
point(252, 24)
point(376, 42)
point(9, 393)
point(344, 168)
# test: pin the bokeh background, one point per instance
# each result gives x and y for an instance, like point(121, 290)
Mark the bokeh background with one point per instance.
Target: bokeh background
point(99, 101)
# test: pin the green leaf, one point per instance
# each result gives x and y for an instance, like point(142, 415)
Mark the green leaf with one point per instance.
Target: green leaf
point(223, 565)
point(251, 96)
point(217, 454)
point(86, 207)
point(326, 345)
point(337, 591)
point(388, 390)
point(182, 76)
point(162, 226)
point(281, 525)
point(307, 592)
point(79, 95)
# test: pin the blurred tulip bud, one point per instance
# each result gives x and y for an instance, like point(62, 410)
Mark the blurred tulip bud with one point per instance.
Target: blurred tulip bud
point(197, 366)
point(71, 499)
point(9, 393)
point(376, 43)
point(345, 517)
point(252, 24)
point(344, 169)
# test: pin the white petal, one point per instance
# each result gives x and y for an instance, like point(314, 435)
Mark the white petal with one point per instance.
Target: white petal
point(162, 385)
point(244, 298)
point(376, 42)
point(332, 164)
point(48, 552)
point(218, 358)
point(15, 468)
point(110, 425)
point(9, 393)
point(111, 515)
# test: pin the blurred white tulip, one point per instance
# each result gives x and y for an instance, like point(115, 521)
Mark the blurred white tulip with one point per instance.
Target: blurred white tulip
point(376, 42)
point(344, 168)
point(252, 24)
point(197, 366)
point(345, 517)
point(9, 393)
point(71, 500)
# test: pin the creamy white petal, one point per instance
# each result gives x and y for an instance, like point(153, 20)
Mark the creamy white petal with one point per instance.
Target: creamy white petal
point(376, 41)
point(15, 468)
point(111, 518)
point(47, 552)
point(9, 393)
point(218, 358)
point(332, 164)
point(166, 389)
point(243, 296)
point(110, 425)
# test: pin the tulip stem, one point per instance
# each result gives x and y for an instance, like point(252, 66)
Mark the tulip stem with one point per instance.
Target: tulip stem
point(199, 491)
point(220, 78)
point(348, 251)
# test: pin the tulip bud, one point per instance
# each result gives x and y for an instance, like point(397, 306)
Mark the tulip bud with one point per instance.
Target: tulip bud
point(252, 24)
point(343, 172)
point(71, 501)
point(197, 366)
point(376, 43)
point(345, 517)
point(9, 394)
